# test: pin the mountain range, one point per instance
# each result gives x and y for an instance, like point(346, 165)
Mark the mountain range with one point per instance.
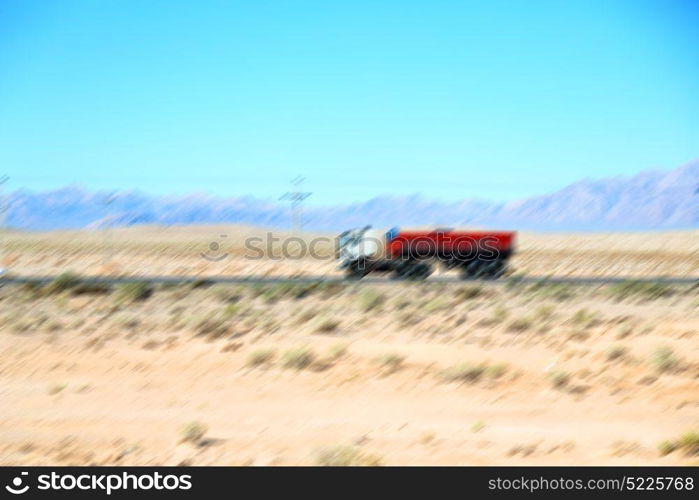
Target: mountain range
point(646, 201)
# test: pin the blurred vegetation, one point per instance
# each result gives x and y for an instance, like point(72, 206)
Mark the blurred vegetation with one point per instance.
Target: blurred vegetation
point(687, 443)
point(370, 300)
point(133, 291)
point(194, 432)
point(665, 360)
point(299, 358)
point(260, 357)
point(345, 456)
point(63, 282)
point(640, 289)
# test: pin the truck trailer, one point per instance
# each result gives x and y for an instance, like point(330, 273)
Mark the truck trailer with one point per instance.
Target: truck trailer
point(413, 254)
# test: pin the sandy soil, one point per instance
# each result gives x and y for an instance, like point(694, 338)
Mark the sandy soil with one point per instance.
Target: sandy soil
point(153, 250)
point(400, 374)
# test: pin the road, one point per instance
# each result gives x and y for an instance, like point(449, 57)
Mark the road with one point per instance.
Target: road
point(251, 280)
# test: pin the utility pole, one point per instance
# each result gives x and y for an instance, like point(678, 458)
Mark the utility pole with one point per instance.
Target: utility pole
point(296, 196)
point(108, 251)
point(4, 208)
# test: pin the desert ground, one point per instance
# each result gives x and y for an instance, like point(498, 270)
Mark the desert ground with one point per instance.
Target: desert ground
point(180, 251)
point(347, 374)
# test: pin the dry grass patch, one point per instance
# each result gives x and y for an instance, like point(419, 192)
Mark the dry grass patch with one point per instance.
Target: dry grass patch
point(687, 442)
point(478, 426)
point(63, 282)
point(640, 289)
point(212, 327)
point(403, 302)
point(298, 359)
point(327, 325)
point(559, 379)
point(390, 363)
point(495, 371)
point(470, 292)
point(664, 360)
point(226, 293)
point(56, 388)
point(193, 432)
point(616, 352)
point(435, 305)
point(470, 373)
point(232, 310)
point(370, 300)
point(306, 316)
point(544, 313)
point(584, 319)
point(556, 291)
point(345, 456)
point(261, 357)
point(519, 325)
point(133, 292)
point(338, 351)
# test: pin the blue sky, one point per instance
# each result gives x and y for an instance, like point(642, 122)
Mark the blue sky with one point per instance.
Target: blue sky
point(452, 99)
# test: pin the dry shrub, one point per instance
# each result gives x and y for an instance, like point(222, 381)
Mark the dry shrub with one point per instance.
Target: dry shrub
point(470, 373)
point(464, 372)
point(584, 319)
point(337, 351)
point(435, 305)
point(261, 357)
point(617, 352)
point(133, 291)
point(559, 379)
point(687, 442)
point(519, 325)
point(556, 291)
point(345, 456)
point(370, 300)
point(212, 328)
point(298, 359)
point(391, 362)
point(193, 432)
point(63, 282)
point(665, 360)
point(327, 325)
point(469, 292)
point(640, 289)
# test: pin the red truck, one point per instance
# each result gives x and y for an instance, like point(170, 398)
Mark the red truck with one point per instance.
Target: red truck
point(412, 254)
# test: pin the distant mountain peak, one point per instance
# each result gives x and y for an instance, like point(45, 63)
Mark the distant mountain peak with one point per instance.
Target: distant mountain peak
point(651, 199)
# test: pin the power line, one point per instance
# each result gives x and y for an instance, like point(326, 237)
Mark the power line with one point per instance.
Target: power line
point(108, 237)
point(296, 197)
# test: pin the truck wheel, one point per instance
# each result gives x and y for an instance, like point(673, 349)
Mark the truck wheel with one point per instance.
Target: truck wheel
point(464, 273)
point(472, 270)
point(401, 270)
point(413, 270)
point(422, 271)
point(495, 269)
point(357, 270)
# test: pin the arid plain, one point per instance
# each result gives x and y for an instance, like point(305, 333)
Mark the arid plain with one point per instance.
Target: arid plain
point(361, 373)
